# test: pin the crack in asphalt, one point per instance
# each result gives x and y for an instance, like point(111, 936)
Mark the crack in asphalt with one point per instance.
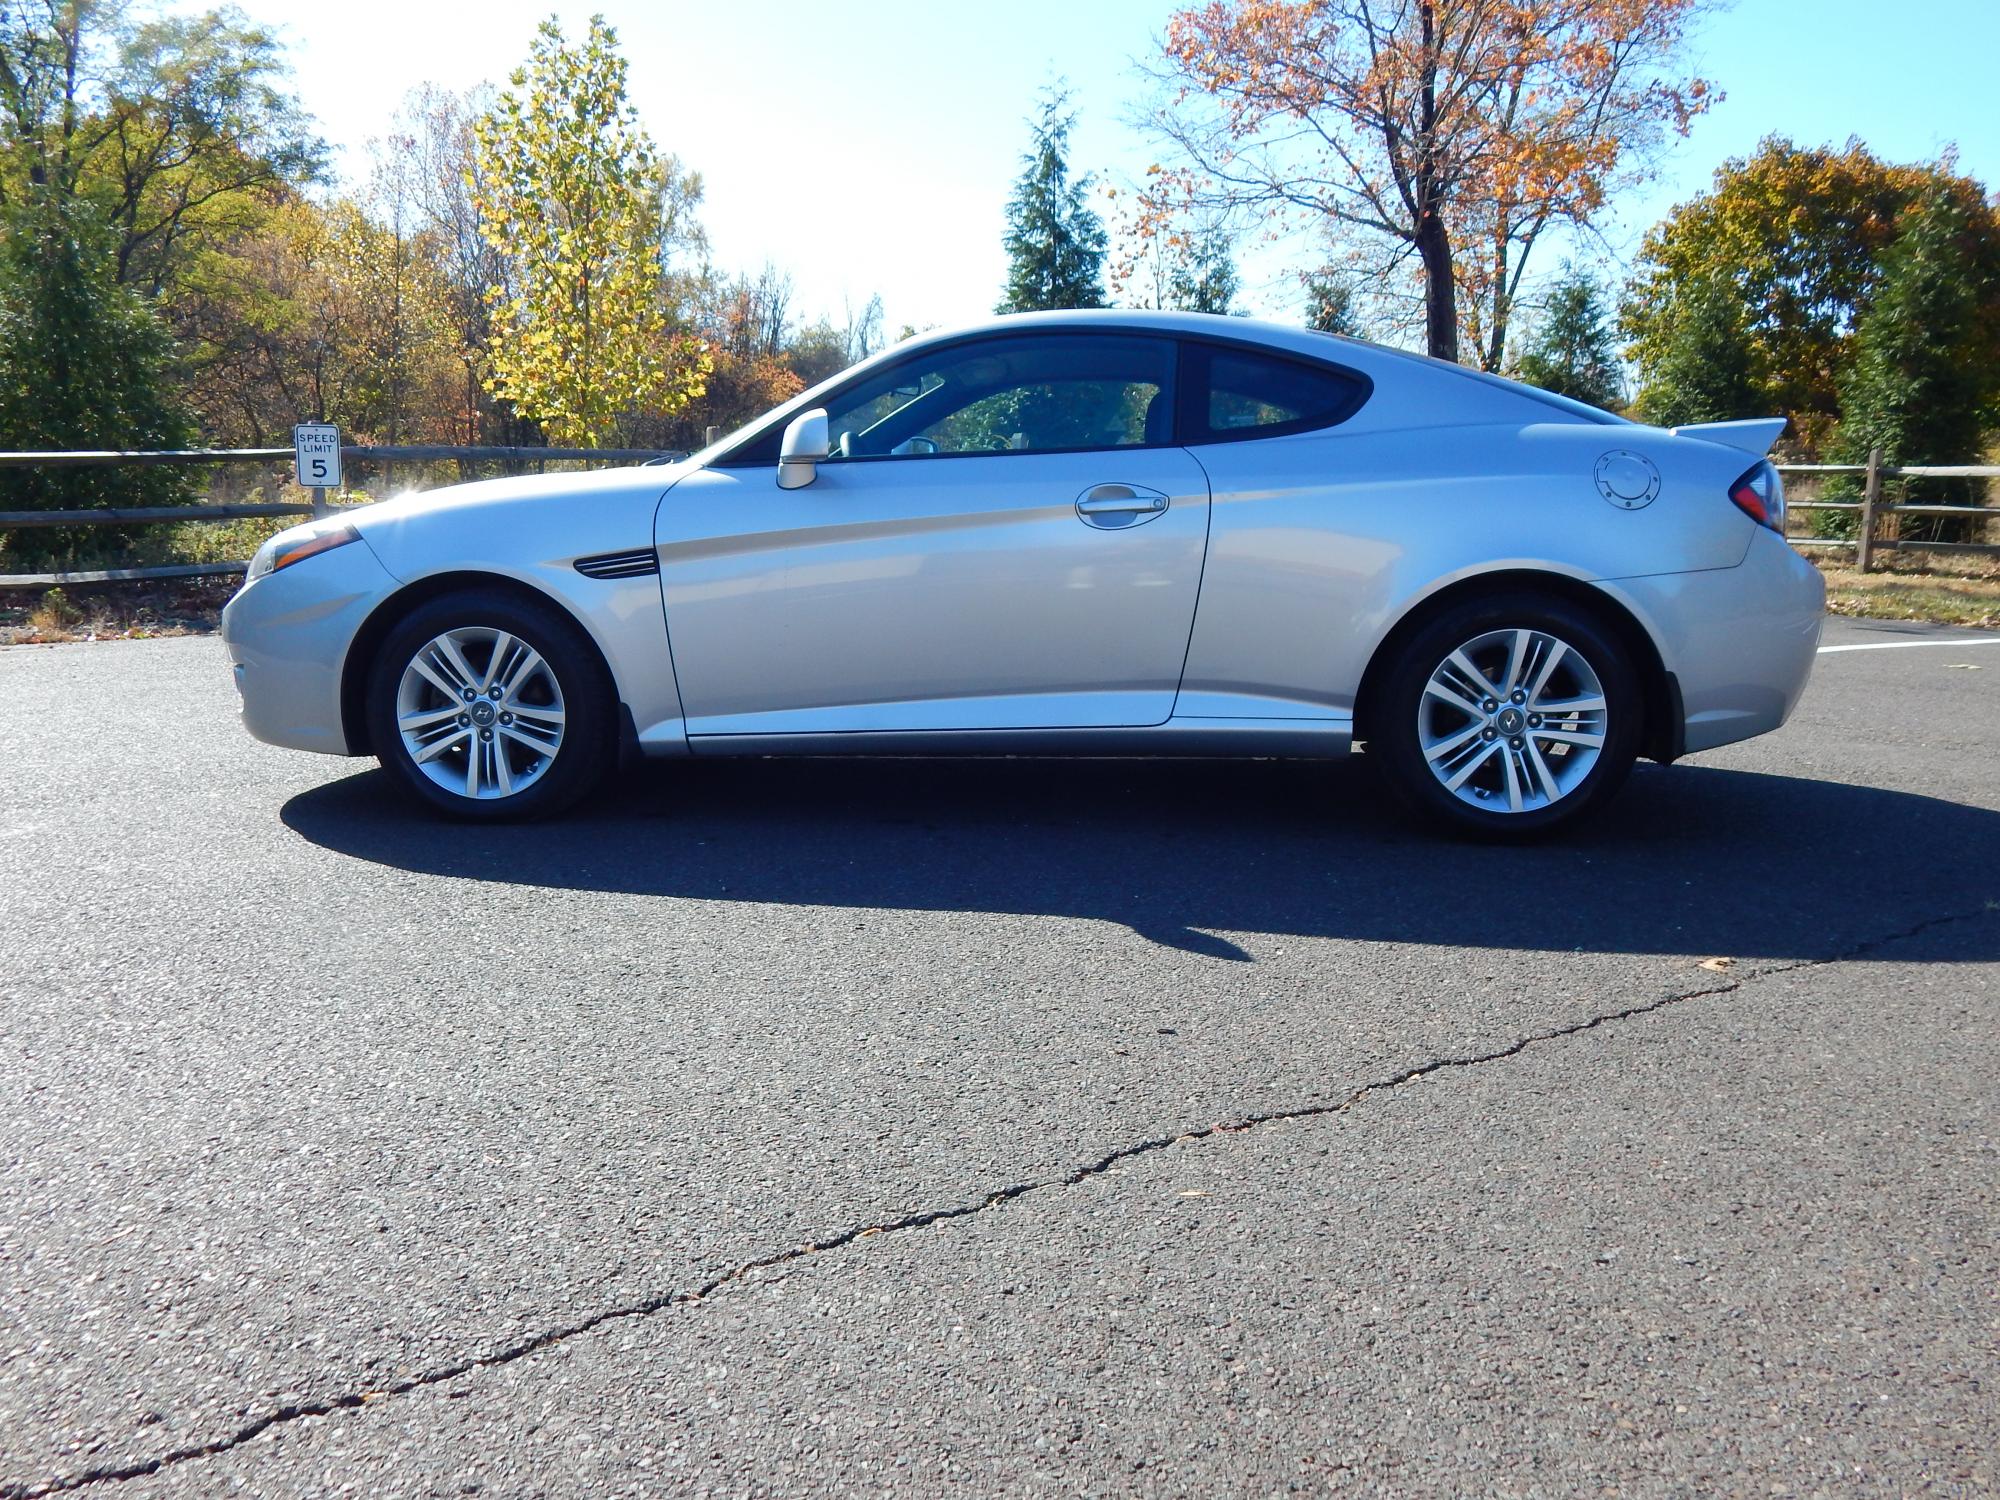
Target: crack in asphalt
point(996, 1199)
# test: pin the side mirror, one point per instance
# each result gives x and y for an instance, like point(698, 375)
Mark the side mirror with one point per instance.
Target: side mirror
point(805, 445)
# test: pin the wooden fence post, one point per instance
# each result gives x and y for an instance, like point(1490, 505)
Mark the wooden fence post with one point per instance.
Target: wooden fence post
point(1871, 492)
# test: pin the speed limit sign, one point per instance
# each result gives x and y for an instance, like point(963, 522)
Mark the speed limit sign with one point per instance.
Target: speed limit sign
point(316, 450)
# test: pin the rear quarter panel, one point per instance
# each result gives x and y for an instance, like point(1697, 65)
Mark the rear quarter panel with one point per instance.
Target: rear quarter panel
point(1320, 543)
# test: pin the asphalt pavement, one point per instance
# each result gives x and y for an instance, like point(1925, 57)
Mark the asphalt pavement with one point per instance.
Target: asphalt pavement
point(997, 1127)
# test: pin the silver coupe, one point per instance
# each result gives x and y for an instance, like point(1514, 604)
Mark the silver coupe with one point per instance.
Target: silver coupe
point(1077, 534)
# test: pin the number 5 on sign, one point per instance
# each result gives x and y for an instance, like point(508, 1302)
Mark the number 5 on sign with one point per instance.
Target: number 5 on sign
point(316, 448)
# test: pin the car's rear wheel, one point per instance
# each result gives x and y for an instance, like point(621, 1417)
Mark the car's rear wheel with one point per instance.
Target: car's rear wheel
point(490, 707)
point(1509, 716)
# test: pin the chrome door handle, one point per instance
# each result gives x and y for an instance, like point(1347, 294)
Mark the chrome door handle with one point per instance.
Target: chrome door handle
point(1111, 499)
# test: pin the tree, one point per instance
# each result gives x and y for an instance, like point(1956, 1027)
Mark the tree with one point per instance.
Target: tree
point(330, 309)
point(1920, 386)
point(434, 135)
point(824, 349)
point(1188, 269)
point(576, 196)
point(1794, 237)
point(276, 336)
point(1330, 303)
point(1449, 132)
point(394, 263)
point(162, 144)
point(1573, 353)
point(747, 324)
point(1707, 369)
point(1204, 276)
point(177, 127)
point(84, 364)
point(1055, 241)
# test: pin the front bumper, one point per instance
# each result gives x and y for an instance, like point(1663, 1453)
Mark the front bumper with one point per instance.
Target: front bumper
point(288, 635)
point(1741, 641)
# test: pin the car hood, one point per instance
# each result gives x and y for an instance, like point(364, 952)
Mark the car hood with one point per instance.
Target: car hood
point(596, 488)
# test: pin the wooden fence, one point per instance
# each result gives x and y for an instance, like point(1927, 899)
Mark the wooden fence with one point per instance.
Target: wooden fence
point(166, 514)
point(1865, 542)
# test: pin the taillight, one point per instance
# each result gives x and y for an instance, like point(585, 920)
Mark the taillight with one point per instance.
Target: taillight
point(1760, 495)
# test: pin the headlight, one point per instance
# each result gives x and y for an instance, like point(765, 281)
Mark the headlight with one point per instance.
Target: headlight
point(288, 547)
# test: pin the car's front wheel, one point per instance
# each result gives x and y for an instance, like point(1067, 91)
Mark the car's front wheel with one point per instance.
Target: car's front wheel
point(491, 707)
point(1508, 716)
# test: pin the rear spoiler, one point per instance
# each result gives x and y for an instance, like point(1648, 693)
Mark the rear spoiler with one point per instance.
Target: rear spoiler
point(1754, 436)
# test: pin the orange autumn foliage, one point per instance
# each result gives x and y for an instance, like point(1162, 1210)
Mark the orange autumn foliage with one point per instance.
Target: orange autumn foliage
point(1448, 134)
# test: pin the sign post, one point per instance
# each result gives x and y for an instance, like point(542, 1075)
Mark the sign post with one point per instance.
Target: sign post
point(316, 455)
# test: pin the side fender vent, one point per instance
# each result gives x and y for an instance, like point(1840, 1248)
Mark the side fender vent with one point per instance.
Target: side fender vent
point(641, 562)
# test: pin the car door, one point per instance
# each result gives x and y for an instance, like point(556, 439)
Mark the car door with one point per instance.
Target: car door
point(1004, 537)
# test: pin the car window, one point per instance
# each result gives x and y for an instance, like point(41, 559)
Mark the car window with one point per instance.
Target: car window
point(1243, 394)
point(1017, 394)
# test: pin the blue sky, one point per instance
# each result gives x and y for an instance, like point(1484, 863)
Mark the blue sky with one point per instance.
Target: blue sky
point(870, 148)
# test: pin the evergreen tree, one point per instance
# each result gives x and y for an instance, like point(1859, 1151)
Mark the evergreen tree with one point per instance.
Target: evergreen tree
point(1330, 303)
point(1704, 369)
point(1055, 241)
point(1204, 275)
point(84, 364)
point(1917, 388)
point(1572, 353)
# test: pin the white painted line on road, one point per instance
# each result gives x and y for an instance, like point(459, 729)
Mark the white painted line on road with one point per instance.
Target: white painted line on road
point(1900, 645)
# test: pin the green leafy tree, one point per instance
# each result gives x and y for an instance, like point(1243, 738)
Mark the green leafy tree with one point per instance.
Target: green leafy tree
point(1794, 236)
point(84, 364)
point(160, 142)
point(1705, 367)
point(1573, 351)
point(1919, 388)
point(1056, 242)
point(574, 193)
point(180, 128)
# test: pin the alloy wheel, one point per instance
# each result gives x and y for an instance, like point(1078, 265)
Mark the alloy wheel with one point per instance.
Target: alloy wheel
point(480, 713)
point(1512, 721)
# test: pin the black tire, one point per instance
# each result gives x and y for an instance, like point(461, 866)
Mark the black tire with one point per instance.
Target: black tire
point(1395, 742)
point(588, 745)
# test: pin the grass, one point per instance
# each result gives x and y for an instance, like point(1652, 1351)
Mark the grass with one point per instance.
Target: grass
point(1941, 589)
point(84, 612)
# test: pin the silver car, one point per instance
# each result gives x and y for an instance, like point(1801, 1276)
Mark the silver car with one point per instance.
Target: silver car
point(1102, 533)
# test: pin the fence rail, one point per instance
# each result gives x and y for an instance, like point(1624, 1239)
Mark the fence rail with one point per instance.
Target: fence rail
point(148, 515)
point(122, 575)
point(153, 515)
point(1871, 508)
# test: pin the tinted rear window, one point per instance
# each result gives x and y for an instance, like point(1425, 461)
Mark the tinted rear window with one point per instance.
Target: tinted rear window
point(1243, 394)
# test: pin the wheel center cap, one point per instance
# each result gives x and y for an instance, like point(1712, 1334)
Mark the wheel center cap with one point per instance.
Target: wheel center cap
point(483, 713)
point(1510, 721)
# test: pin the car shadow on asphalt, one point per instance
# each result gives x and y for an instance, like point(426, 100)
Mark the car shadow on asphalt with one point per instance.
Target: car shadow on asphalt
point(1689, 859)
